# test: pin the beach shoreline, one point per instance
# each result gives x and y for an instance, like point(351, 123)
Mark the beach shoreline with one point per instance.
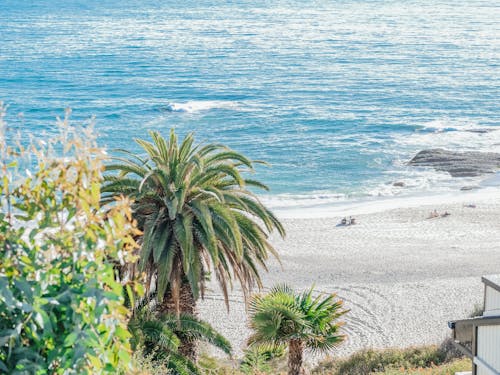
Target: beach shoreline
point(403, 276)
point(370, 205)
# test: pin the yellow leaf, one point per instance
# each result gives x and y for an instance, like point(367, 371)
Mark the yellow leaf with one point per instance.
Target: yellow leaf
point(96, 193)
point(96, 363)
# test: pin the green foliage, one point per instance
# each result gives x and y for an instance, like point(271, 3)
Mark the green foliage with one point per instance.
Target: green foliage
point(196, 214)
point(415, 365)
point(258, 358)
point(283, 315)
point(158, 336)
point(419, 360)
point(255, 362)
point(61, 304)
point(298, 320)
point(449, 368)
point(215, 366)
point(478, 310)
point(150, 365)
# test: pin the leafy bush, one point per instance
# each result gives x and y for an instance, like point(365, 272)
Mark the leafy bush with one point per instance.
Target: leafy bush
point(216, 366)
point(449, 368)
point(258, 358)
point(149, 364)
point(390, 361)
point(61, 303)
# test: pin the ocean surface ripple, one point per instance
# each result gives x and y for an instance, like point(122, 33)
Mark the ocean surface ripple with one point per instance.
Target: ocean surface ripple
point(337, 96)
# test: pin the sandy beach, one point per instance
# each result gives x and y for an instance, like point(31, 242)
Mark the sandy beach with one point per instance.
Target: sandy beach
point(402, 275)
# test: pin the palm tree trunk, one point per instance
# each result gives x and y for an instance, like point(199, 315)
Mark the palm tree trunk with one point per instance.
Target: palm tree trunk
point(295, 351)
point(187, 305)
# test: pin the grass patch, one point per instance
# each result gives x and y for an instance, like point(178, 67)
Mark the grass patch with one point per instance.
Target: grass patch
point(419, 360)
point(449, 368)
point(425, 360)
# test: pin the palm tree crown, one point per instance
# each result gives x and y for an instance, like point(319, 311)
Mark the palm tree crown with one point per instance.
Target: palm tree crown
point(298, 320)
point(196, 213)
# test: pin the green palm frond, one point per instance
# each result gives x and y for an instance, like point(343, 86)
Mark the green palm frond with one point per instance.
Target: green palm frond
point(192, 328)
point(181, 365)
point(156, 332)
point(160, 335)
point(283, 315)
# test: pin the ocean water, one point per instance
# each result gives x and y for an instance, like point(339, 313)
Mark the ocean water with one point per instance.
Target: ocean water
point(336, 95)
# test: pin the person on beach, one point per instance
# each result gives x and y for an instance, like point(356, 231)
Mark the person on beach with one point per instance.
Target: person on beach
point(433, 214)
point(346, 222)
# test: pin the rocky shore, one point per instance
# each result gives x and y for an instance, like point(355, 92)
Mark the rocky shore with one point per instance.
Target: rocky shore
point(458, 164)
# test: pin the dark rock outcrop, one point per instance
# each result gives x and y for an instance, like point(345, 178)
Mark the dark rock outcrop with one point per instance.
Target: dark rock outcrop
point(458, 164)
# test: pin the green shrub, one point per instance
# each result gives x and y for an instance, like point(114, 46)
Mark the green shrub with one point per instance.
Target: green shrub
point(384, 361)
point(259, 358)
point(449, 368)
point(215, 366)
point(61, 303)
point(149, 364)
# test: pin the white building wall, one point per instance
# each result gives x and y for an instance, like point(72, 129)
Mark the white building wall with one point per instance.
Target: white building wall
point(491, 302)
point(488, 347)
point(483, 371)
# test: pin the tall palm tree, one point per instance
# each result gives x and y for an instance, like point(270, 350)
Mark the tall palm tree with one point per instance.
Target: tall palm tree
point(297, 320)
point(197, 217)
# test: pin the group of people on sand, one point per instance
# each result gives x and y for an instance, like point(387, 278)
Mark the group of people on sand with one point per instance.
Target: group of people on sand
point(345, 221)
point(435, 214)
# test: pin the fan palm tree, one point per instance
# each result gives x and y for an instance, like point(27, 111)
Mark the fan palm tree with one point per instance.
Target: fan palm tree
point(159, 336)
point(297, 320)
point(197, 217)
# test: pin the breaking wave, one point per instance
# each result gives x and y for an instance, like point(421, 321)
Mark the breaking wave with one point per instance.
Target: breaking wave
point(200, 105)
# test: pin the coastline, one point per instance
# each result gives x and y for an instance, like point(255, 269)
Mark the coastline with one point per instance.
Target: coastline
point(372, 205)
point(402, 276)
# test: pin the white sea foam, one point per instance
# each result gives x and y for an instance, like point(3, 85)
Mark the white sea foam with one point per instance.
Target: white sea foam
point(200, 105)
point(409, 187)
point(459, 134)
point(299, 201)
point(368, 205)
point(464, 125)
point(401, 184)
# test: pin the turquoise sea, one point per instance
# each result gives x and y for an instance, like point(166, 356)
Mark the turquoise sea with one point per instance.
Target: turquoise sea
point(336, 95)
